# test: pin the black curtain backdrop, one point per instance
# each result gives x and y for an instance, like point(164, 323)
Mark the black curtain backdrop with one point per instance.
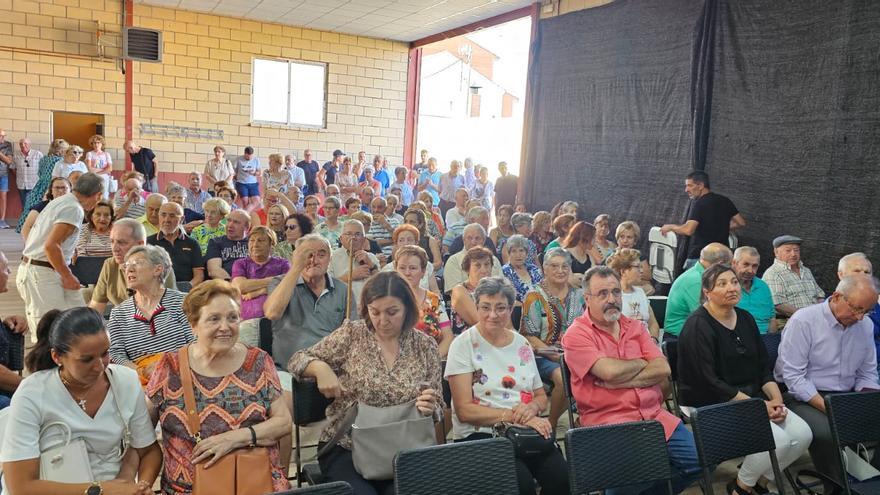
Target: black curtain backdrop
point(777, 101)
point(795, 125)
point(611, 125)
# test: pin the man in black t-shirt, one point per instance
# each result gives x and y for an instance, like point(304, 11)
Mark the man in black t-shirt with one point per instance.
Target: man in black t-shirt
point(505, 187)
point(330, 169)
point(145, 162)
point(311, 168)
point(711, 219)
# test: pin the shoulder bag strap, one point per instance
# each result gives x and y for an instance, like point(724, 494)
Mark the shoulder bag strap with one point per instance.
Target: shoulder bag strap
point(126, 431)
point(189, 398)
point(342, 428)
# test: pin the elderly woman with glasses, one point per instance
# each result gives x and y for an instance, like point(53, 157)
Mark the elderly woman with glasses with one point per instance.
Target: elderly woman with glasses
point(522, 226)
point(214, 226)
point(331, 227)
point(251, 276)
point(295, 226)
point(722, 358)
point(520, 269)
point(151, 321)
point(494, 380)
point(548, 310)
point(627, 235)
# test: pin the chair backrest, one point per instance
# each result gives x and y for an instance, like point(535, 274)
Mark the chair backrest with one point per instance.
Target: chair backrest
point(12, 346)
point(612, 456)
point(658, 305)
point(771, 343)
point(88, 268)
point(662, 255)
point(486, 467)
point(853, 417)
point(566, 387)
point(731, 429)
point(309, 404)
point(670, 350)
point(335, 488)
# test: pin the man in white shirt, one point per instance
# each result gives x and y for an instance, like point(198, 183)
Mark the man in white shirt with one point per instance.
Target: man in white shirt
point(44, 278)
point(297, 175)
point(26, 163)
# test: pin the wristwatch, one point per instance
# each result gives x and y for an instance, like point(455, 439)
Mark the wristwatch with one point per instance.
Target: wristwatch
point(95, 489)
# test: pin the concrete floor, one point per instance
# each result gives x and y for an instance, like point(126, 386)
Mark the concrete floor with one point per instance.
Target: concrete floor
point(10, 303)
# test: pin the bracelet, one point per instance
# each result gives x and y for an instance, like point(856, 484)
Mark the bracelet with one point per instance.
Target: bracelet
point(253, 437)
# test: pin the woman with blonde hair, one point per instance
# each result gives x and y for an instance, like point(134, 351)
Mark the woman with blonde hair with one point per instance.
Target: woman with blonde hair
point(100, 162)
point(56, 151)
point(627, 235)
point(69, 163)
point(276, 177)
point(214, 226)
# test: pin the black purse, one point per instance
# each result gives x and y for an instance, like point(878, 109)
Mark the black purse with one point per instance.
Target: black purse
point(527, 442)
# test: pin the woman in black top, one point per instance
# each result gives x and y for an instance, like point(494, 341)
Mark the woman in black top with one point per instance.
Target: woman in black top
point(721, 357)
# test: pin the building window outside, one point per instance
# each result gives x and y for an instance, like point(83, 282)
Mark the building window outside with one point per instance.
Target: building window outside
point(289, 92)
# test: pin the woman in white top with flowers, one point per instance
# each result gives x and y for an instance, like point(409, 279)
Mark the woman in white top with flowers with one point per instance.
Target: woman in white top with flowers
point(73, 383)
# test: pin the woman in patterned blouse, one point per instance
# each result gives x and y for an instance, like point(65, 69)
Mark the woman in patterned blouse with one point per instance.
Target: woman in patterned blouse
point(411, 263)
point(237, 393)
point(381, 361)
point(215, 213)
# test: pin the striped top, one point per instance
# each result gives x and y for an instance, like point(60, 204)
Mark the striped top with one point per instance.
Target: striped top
point(91, 243)
point(134, 335)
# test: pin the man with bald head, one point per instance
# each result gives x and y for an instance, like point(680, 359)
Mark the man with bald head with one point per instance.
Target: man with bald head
point(145, 162)
point(185, 253)
point(473, 235)
point(826, 348)
point(383, 226)
point(684, 295)
point(26, 163)
point(130, 202)
point(224, 250)
point(150, 218)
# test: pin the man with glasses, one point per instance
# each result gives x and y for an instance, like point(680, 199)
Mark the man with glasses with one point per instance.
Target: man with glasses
point(684, 295)
point(827, 348)
point(858, 263)
point(365, 264)
point(26, 163)
point(616, 372)
point(791, 283)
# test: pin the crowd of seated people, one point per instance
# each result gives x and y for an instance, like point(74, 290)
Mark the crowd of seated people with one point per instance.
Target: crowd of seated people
point(368, 279)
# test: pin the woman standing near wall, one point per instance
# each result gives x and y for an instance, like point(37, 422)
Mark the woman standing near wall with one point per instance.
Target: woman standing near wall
point(47, 165)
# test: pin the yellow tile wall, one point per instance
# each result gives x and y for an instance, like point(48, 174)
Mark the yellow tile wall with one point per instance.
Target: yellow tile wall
point(203, 81)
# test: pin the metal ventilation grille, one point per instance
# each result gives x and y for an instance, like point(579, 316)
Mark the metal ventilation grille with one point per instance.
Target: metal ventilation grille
point(142, 44)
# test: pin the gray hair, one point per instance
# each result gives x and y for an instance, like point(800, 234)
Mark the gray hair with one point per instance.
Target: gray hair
point(219, 204)
point(89, 184)
point(313, 237)
point(473, 226)
point(176, 189)
point(851, 284)
point(749, 250)
point(841, 265)
point(197, 174)
point(600, 271)
point(474, 213)
point(517, 241)
point(333, 200)
point(557, 252)
point(353, 221)
point(491, 286)
point(716, 253)
point(155, 255)
point(138, 232)
point(520, 219)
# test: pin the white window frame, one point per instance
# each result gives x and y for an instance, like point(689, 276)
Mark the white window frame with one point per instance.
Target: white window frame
point(289, 123)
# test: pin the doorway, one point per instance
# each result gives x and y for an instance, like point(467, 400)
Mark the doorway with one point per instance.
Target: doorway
point(77, 128)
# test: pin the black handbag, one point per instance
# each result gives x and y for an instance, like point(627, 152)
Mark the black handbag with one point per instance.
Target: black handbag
point(527, 442)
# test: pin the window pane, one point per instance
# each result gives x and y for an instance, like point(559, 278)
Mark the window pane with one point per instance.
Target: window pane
point(307, 94)
point(270, 91)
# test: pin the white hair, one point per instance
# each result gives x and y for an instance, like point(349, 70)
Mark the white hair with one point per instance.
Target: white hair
point(841, 265)
point(749, 250)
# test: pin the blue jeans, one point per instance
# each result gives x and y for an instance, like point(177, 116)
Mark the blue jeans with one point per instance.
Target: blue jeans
point(685, 466)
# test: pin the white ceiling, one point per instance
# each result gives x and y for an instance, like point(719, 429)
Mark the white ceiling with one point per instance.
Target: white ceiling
point(401, 20)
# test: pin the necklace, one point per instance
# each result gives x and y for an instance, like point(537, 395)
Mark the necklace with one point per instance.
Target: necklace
point(81, 402)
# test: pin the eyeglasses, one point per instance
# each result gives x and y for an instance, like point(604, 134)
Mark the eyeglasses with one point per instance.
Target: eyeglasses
point(353, 234)
point(856, 311)
point(556, 267)
point(498, 310)
point(133, 265)
point(605, 293)
point(291, 227)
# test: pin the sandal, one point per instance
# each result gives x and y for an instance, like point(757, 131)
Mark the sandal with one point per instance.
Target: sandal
point(734, 489)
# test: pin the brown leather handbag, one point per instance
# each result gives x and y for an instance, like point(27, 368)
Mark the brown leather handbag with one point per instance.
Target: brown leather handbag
point(246, 471)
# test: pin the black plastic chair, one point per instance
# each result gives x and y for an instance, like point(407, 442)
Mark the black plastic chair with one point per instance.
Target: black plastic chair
point(658, 306)
point(771, 343)
point(266, 336)
point(730, 430)
point(670, 350)
point(616, 456)
point(853, 420)
point(309, 406)
point(486, 467)
point(566, 385)
point(335, 488)
point(88, 268)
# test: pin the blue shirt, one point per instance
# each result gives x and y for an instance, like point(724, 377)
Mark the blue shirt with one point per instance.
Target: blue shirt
point(381, 175)
point(434, 178)
point(684, 298)
point(759, 303)
point(243, 166)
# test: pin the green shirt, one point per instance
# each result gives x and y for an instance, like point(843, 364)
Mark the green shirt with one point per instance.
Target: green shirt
point(684, 298)
point(202, 234)
point(759, 303)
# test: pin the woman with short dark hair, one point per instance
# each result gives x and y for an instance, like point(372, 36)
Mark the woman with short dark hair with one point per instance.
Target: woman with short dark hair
point(381, 361)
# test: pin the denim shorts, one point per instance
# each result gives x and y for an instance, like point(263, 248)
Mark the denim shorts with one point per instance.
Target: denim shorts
point(546, 367)
point(246, 190)
point(4, 183)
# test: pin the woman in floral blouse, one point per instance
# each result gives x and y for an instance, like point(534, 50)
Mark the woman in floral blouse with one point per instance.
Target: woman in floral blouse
point(493, 378)
point(411, 262)
point(381, 361)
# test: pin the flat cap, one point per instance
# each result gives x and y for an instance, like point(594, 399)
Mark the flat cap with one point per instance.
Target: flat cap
point(786, 239)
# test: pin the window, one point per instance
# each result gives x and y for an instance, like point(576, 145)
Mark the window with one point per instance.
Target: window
point(289, 92)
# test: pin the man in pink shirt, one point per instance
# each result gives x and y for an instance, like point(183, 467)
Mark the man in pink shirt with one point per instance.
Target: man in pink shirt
point(616, 372)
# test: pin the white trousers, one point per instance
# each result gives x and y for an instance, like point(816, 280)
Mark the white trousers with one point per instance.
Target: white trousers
point(792, 437)
point(40, 287)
